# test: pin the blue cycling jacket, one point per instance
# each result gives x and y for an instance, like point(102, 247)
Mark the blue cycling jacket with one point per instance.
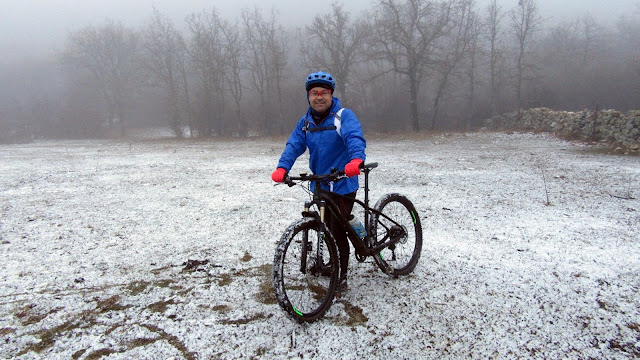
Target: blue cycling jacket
point(327, 148)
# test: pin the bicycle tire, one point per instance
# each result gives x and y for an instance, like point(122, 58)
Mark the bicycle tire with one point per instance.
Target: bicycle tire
point(401, 258)
point(305, 295)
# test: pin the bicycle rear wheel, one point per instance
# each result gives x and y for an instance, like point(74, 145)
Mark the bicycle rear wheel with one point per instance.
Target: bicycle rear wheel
point(402, 257)
point(305, 270)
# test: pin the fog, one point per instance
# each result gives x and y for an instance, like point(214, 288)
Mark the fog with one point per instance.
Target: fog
point(78, 68)
point(36, 27)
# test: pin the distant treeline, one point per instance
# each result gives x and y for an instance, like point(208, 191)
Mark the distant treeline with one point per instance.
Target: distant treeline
point(402, 65)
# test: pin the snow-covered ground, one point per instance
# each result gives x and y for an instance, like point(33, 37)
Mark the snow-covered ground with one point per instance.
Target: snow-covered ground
point(161, 249)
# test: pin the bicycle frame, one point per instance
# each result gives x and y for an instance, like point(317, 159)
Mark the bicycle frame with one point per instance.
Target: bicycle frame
point(322, 199)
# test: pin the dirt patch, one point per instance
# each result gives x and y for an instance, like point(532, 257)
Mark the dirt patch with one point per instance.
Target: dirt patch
point(221, 308)
point(225, 279)
point(7, 331)
point(99, 354)
point(161, 306)
point(173, 340)
point(137, 287)
point(356, 317)
point(247, 257)
point(110, 304)
point(48, 336)
point(256, 317)
point(29, 315)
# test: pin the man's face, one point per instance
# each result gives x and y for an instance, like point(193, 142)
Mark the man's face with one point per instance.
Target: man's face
point(320, 99)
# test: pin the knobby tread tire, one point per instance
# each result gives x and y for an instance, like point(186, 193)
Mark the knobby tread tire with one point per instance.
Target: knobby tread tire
point(286, 265)
point(397, 205)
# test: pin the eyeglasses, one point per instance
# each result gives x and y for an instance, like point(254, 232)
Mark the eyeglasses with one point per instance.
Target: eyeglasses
point(323, 93)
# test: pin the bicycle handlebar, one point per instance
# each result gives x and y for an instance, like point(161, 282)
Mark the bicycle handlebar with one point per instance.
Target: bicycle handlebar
point(333, 176)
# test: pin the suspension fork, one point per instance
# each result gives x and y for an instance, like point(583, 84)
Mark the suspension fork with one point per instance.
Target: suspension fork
point(319, 261)
point(306, 244)
point(305, 241)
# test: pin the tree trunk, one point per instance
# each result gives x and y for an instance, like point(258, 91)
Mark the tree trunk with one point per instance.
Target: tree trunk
point(413, 102)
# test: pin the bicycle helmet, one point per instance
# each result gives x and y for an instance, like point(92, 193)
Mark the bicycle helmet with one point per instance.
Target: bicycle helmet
point(320, 79)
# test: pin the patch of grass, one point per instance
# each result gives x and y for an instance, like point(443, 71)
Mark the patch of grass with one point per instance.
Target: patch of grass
point(163, 283)
point(6, 331)
point(160, 306)
point(110, 304)
point(137, 287)
point(225, 279)
point(47, 337)
point(159, 270)
point(29, 316)
point(253, 318)
point(171, 339)
point(222, 308)
point(262, 270)
point(182, 291)
point(98, 354)
point(85, 319)
point(78, 354)
point(140, 342)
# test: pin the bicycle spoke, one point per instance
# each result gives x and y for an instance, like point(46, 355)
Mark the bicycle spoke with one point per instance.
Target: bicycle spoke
point(400, 223)
point(305, 291)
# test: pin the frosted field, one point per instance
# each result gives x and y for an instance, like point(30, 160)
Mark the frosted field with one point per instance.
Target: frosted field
point(160, 249)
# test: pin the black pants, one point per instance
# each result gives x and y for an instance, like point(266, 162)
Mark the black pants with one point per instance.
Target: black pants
point(345, 205)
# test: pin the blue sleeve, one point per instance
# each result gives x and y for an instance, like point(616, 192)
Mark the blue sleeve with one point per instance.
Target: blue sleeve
point(296, 146)
point(352, 135)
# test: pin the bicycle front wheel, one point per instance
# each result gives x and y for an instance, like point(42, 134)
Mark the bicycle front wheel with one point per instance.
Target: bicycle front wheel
point(402, 257)
point(305, 270)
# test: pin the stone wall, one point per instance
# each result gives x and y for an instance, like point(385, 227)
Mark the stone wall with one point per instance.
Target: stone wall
point(607, 126)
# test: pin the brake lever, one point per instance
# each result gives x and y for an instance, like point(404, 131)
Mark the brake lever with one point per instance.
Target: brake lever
point(288, 181)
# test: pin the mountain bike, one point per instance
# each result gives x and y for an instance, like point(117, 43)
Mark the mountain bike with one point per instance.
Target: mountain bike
point(306, 262)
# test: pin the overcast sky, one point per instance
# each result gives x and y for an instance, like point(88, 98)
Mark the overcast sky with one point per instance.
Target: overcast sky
point(35, 27)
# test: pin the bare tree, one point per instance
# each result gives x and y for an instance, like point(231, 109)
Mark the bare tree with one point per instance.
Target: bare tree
point(234, 47)
point(591, 31)
point(406, 34)
point(207, 52)
point(164, 60)
point(629, 29)
point(494, 36)
point(525, 23)
point(109, 53)
point(475, 52)
point(334, 43)
point(266, 61)
point(453, 51)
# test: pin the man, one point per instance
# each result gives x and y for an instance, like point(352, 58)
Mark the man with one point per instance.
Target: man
point(333, 144)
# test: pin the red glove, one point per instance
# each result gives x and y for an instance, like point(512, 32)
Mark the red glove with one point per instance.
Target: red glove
point(278, 175)
point(353, 168)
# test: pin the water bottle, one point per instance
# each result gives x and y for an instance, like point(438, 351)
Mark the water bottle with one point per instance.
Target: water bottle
point(357, 226)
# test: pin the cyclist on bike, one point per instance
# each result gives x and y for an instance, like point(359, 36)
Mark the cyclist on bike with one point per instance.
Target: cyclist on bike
point(334, 138)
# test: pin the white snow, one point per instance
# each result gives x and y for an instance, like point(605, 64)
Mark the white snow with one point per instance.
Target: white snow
point(94, 237)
